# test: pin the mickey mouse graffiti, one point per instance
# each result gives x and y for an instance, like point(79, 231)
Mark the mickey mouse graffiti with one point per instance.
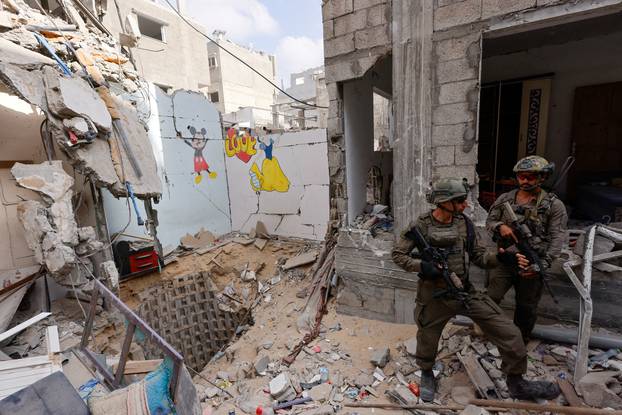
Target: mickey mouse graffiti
point(198, 142)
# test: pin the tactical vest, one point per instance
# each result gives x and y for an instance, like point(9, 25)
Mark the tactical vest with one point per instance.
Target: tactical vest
point(536, 217)
point(456, 239)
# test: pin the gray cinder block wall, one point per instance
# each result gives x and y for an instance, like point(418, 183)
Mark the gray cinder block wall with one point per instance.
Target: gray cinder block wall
point(435, 47)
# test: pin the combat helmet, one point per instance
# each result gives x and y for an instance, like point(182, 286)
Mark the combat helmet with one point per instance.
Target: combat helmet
point(444, 190)
point(534, 164)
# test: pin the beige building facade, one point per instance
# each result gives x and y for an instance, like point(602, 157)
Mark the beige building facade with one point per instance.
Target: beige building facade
point(169, 52)
point(233, 85)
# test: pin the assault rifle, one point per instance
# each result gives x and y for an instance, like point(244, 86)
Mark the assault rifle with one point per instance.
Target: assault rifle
point(438, 257)
point(523, 234)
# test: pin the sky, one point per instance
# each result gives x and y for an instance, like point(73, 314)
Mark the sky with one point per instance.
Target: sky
point(289, 29)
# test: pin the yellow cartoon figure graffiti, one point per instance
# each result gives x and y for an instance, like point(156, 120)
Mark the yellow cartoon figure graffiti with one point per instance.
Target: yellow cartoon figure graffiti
point(270, 178)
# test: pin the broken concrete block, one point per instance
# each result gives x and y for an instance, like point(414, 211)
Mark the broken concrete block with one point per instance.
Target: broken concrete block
point(261, 365)
point(86, 233)
point(78, 125)
point(108, 272)
point(594, 387)
point(72, 97)
point(59, 258)
point(320, 393)
point(47, 178)
point(411, 346)
point(281, 388)
point(299, 260)
point(5, 20)
point(363, 380)
point(33, 217)
point(199, 240)
point(381, 357)
point(322, 410)
point(13, 53)
point(63, 219)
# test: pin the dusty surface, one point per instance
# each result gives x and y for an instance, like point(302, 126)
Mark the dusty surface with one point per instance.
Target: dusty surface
point(344, 346)
point(223, 263)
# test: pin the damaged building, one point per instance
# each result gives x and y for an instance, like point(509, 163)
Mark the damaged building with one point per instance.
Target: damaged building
point(471, 86)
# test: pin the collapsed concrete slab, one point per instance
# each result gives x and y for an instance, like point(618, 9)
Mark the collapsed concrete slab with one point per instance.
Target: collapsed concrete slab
point(33, 216)
point(72, 97)
point(48, 178)
point(109, 171)
point(59, 258)
point(18, 55)
point(63, 219)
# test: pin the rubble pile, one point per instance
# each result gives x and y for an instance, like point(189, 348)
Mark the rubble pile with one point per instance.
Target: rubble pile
point(49, 224)
point(68, 71)
point(352, 362)
point(375, 218)
point(108, 329)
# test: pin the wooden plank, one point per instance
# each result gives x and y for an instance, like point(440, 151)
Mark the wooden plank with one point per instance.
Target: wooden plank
point(24, 377)
point(569, 393)
point(23, 326)
point(135, 367)
point(478, 376)
point(51, 337)
point(25, 362)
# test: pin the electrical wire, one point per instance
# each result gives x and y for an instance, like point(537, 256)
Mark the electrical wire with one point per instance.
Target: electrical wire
point(181, 16)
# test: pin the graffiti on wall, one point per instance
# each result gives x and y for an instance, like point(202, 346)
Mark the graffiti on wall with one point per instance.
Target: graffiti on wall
point(241, 144)
point(198, 142)
point(270, 177)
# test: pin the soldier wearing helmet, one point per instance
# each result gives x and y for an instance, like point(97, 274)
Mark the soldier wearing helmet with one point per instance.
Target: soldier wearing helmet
point(446, 227)
point(545, 215)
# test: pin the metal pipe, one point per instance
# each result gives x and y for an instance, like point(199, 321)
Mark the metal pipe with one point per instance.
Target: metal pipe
point(561, 335)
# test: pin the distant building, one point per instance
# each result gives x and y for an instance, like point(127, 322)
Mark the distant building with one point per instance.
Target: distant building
point(308, 86)
point(169, 53)
point(235, 87)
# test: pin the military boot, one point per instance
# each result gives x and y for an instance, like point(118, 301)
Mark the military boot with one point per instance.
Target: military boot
point(428, 386)
point(524, 389)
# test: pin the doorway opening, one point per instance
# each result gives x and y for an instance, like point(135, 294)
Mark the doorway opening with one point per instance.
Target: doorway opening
point(369, 157)
point(555, 92)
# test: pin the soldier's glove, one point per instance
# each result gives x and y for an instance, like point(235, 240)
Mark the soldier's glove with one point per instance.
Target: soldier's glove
point(429, 271)
point(507, 258)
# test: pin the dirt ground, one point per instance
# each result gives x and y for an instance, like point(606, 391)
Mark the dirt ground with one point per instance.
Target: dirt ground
point(344, 346)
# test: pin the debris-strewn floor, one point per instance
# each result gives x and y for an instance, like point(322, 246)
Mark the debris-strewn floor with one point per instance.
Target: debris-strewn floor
point(250, 372)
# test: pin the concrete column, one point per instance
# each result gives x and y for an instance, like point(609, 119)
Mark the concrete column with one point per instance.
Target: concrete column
point(412, 68)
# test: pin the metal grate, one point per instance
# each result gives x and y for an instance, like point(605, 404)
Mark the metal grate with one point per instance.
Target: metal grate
point(185, 312)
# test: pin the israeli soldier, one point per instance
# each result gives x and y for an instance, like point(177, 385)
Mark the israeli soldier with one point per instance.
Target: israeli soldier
point(545, 216)
point(447, 228)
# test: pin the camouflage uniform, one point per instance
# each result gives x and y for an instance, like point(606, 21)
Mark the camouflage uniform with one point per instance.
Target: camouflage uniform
point(547, 219)
point(432, 314)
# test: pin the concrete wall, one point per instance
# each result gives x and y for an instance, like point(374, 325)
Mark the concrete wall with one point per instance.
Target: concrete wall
point(187, 204)
point(178, 62)
point(585, 62)
point(228, 201)
point(357, 33)
point(300, 210)
point(237, 85)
